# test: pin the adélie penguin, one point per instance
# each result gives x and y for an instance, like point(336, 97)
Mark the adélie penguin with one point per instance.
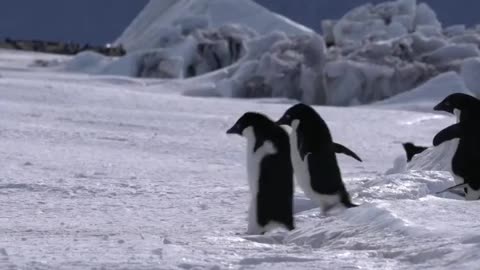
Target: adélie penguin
point(466, 134)
point(313, 158)
point(270, 173)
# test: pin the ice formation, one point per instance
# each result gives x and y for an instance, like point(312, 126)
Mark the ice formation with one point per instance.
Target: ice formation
point(424, 97)
point(372, 53)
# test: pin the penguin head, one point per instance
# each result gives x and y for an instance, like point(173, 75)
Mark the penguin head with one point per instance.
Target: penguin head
point(298, 112)
point(457, 101)
point(254, 120)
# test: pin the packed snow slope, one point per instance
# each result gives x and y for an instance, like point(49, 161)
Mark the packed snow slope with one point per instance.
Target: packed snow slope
point(119, 173)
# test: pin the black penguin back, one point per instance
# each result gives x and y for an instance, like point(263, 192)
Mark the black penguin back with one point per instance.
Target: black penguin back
point(466, 159)
point(275, 192)
point(316, 145)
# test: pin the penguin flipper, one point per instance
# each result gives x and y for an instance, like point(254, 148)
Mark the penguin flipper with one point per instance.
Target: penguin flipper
point(340, 149)
point(446, 134)
point(462, 185)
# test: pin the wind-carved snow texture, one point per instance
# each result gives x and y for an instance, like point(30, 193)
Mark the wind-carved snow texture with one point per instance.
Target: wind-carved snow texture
point(372, 53)
point(110, 172)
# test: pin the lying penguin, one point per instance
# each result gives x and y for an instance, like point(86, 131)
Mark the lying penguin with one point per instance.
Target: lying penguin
point(270, 173)
point(313, 158)
point(466, 132)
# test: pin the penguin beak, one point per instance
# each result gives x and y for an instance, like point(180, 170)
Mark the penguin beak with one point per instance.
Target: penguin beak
point(234, 130)
point(442, 107)
point(284, 120)
point(439, 107)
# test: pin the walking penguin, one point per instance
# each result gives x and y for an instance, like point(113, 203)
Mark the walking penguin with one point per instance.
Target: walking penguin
point(313, 158)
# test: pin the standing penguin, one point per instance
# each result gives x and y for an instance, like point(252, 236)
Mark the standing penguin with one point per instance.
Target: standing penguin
point(313, 157)
point(466, 159)
point(270, 172)
point(466, 136)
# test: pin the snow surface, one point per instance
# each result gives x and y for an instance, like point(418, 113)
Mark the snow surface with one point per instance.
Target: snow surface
point(120, 173)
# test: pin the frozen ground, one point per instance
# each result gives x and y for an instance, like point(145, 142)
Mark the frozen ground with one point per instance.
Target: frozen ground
point(118, 173)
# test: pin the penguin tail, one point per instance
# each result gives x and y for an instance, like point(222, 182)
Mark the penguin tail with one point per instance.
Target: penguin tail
point(346, 201)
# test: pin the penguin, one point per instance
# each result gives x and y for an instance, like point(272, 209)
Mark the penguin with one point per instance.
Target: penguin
point(313, 158)
point(270, 173)
point(466, 159)
point(464, 134)
point(411, 150)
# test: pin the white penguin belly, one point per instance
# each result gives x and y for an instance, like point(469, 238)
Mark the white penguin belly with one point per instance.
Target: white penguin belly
point(254, 160)
point(453, 145)
point(302, 174)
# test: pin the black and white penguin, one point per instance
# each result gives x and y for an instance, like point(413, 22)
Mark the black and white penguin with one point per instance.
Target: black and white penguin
point(313, 158)
point(466, 160)
point(465, 134)
point(411, 150)
point(270, 173)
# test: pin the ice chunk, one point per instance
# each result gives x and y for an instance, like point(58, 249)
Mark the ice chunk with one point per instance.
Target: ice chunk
point(188, 16)
point(470, 72)
point(454, 30)
point(427, 95)
point(422, 44)
point(425, 16)
point(447, 54)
